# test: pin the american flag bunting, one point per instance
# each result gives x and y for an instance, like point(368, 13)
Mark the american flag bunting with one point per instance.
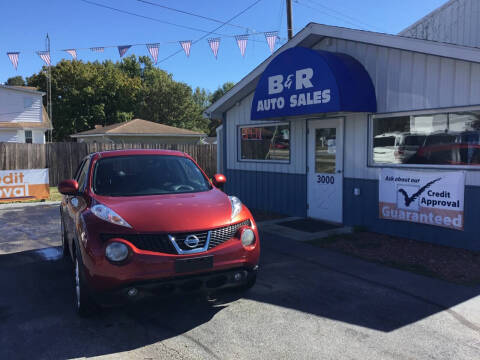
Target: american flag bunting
point(122, 50)
point(13, 56)
point(72, 53)
point(271, 38)
point(45, 56)
point(153, 50)
point(242, 43)
point(186, 45)
point(214, 45)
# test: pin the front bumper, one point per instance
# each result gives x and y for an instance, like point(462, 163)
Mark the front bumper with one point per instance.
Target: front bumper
point(206, 283)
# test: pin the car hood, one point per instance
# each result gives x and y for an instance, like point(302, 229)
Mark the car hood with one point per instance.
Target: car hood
point(173, 212)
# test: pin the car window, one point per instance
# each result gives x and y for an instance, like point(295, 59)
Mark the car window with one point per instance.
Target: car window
point(79, 169)
point(82, 176)
point(384, 141)
point(136, 175)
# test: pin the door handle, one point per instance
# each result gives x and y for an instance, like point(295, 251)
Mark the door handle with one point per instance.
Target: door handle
point(339, 171)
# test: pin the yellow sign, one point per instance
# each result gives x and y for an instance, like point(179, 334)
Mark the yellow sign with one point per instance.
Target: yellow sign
point(17, 185)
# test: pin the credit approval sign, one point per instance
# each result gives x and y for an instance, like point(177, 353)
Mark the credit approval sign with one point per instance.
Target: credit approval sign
point(17, 185)
point(432, 198)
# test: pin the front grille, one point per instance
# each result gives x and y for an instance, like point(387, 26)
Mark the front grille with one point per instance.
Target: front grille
point(162, 244)
point(220, 235)
point(150, 242)
point(180, 240)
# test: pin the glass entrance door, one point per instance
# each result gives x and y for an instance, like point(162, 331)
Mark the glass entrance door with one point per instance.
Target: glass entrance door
point(325, 170)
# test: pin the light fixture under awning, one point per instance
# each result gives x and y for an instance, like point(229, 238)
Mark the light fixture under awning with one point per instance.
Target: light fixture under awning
point(302, 81)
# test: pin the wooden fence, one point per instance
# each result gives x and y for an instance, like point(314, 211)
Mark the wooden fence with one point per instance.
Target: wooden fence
point(62, 159)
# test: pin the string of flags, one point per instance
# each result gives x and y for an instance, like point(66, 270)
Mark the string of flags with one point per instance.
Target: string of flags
point(153, 49)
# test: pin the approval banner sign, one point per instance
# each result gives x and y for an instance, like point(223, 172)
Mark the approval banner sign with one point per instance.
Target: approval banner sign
point(433, 198)
point(24, 185)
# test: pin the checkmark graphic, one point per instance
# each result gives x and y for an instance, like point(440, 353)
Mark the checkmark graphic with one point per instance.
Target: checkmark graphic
point(410, 199)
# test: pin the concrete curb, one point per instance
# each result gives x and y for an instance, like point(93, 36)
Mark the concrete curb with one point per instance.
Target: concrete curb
point(272, 227)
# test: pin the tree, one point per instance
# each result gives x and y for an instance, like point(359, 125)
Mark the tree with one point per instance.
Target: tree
point(222, 90)
point(87, 94)
point(15, 81)
point(216, 95)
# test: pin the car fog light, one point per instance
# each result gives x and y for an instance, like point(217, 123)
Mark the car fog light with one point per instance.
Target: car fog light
point(132, 292)
point(116, 251)
point(247, 237)
point(237, 276)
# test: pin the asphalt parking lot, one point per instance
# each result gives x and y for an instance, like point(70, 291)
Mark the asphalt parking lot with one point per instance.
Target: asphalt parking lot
point(308, 304)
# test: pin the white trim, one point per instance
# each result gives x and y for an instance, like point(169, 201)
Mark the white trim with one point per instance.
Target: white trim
point(372, 164)
point(428, 111)
point(108, 134)
point(314, 33)
point(33, 92)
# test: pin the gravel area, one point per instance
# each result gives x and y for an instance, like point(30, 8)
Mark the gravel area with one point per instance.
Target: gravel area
point(450, 264)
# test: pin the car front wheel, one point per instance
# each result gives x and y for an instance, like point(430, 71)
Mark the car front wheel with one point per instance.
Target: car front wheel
point(84, 305)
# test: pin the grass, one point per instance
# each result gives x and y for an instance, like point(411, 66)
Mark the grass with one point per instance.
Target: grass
point(54, 194)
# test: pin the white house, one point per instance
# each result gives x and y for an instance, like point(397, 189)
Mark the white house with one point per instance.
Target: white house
point(23, 118)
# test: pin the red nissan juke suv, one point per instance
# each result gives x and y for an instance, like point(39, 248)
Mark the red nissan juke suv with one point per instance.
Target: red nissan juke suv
point(150, 222)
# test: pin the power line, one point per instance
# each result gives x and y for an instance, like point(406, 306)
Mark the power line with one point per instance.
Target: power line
point(213, 31)
point(344, 15)
point(191, 14)
point(343, 19)
point(148, 17)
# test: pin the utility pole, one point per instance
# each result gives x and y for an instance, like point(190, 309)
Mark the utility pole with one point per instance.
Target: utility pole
point(49, 85)
point(289, 19)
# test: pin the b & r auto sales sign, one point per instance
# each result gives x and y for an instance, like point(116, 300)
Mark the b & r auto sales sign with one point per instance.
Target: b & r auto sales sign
point(432, 198)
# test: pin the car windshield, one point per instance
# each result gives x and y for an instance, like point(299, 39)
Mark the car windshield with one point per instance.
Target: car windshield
point(139, 175)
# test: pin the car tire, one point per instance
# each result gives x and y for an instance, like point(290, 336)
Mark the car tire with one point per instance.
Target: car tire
point(84, 305)
point(252, 279)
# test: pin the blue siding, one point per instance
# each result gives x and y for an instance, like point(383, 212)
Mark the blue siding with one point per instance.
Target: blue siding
point(363, 211)
point(269, 191)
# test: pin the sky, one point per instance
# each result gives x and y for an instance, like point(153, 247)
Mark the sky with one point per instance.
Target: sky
point(79, 24)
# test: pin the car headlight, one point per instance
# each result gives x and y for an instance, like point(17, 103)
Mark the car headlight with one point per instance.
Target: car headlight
point(236, 205)
point(107, 214)
point(116, 251)
point(247, 237)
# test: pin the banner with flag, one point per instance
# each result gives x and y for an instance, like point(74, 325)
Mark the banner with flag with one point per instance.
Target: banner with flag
point(214, 45)
point(271, 39)
point(45, 56)
point(153, 50)
point(97, 49)
point(242, 43)
point(186, 45)
point(72, 53)
point(122, 50)
point(13, 56)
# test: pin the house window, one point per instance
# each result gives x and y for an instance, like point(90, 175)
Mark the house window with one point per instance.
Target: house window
point(28, 136)
point(267, 143)
point(430, 139)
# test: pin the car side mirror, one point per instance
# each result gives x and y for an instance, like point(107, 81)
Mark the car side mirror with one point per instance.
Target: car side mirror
point(68, 187)
point(219, 180)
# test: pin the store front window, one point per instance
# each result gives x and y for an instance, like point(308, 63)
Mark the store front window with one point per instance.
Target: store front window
point(435, 139)
point(267, 143)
